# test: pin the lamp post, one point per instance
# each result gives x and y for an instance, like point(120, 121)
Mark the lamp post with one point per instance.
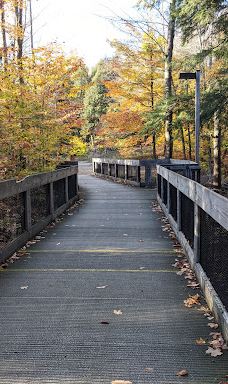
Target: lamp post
point(195, 76)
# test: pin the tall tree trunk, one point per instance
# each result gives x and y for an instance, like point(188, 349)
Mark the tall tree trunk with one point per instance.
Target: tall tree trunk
point(20, 37)
point(154, 153)
point(31, 26)
point(183, 142)
point(189, 142)
point(3, 29)
point(210, 167)
point(168, 80)
point(217, 151)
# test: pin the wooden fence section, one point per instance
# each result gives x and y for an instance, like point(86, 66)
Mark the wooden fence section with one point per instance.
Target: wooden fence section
point(27, 206)
point(199, 218)
point(142, 173)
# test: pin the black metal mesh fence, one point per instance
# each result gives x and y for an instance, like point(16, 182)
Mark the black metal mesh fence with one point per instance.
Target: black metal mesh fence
point(40, 203)
point(187, 218)
point(59, 193)
point(112, 170)
point(173, 201)
point(159, 185)
point(214, 254)
point(121, 171)
point(132, 172)
point(105, 169)
point(72, 186)
point(12, 218)
point(164, 200)
point(97, 168)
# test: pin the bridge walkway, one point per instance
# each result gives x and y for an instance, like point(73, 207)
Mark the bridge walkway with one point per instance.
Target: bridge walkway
point(97, 300)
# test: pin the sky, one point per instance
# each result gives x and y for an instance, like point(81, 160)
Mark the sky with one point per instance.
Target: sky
point(79, 25)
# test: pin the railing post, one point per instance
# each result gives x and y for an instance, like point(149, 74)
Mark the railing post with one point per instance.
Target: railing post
point(76, 183)
point(162, 189)
point(116, 171)
point(168, 197)
point(126, 171)
point(196, 233)
point(66, 190)
point(28, 210)
point(178, 210)
point(101, 168)
point(138, 175)
point(52, 205)
point(109, 170)
point(148, 179)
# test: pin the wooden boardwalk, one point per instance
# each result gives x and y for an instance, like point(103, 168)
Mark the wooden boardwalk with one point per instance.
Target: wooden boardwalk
point(98, 301)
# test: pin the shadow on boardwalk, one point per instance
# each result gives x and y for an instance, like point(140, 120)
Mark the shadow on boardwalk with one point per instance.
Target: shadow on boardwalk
point(97, 300)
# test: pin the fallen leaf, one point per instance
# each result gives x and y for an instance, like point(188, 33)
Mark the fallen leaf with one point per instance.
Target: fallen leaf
point(203, 308)
point(193, 284)
point(117, 312)
point(149, 369)
point(200, 341)
point(125, 234)
point(183, 372)
point(213, 325)
point(215, 335)
point(122, 382)
point(192, 300)
point(102, 287)
point(25, 287)
point(214, 352)
point(142, 267)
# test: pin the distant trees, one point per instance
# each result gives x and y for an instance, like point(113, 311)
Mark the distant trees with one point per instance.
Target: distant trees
point(132, 103)
point(41, 97)
point(166, 38)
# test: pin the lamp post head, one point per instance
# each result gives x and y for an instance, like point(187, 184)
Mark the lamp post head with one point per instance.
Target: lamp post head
point(187, 75)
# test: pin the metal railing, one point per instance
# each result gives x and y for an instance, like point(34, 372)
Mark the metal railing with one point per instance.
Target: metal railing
point(27, 206)
point(199, 218)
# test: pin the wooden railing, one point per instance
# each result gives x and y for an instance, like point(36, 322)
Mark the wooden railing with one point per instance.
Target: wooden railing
point(27, 206)
point(199, 218)
point(141, 173)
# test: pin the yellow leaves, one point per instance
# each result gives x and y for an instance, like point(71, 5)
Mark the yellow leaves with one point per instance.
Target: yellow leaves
point(200, 341)
point(38, 117)
point(78, 147)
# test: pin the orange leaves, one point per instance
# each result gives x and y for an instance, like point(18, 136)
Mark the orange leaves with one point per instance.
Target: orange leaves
point(192, 300)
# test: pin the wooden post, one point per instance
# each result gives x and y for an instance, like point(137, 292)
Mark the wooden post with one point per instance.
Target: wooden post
point(101, 168)
point(162, 189)
point(28, 210)
point(52, 205)
point(76, 184)
point(178, 210)
point(168, 197)
point(126, 171)
point(116, 171)
point(196, 233)
point(66, 190)
point(138, 175)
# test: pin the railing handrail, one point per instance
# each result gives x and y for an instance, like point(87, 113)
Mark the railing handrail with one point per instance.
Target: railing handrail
point(211, 202)
point(12, 187)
